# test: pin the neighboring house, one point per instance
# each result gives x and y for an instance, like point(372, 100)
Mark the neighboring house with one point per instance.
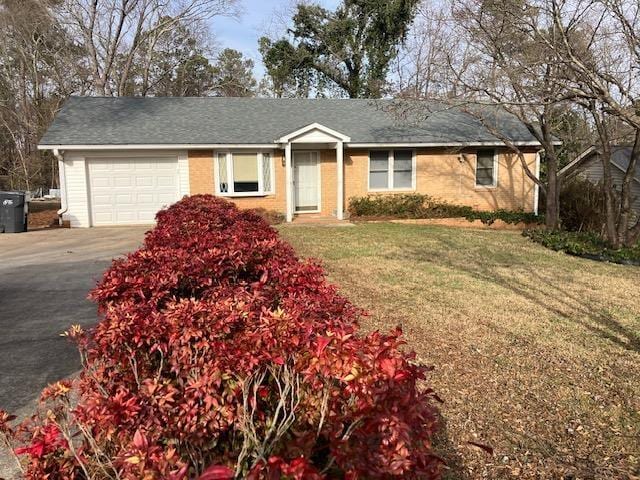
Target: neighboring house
point(588, 166)
point(122, 159)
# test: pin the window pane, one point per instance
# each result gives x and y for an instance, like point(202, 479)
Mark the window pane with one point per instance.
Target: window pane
point(266, 172)
point(222, 173)
point(402, 165)
point(485, 168)
point(379, 169)
point(485, 161)
point(378, 180)
point(484, 177)
point(245, 172)
point(402, 159)
point(379, 161)
point(402, 179)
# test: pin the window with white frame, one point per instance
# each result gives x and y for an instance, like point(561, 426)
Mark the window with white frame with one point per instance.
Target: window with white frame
point(245, 173)
point(391, 169)
point(486, 168)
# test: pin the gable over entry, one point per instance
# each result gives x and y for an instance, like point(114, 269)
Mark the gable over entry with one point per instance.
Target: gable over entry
point(313, 136)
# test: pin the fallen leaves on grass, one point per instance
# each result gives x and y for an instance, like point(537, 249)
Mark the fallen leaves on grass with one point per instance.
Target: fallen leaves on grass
point(536, 353)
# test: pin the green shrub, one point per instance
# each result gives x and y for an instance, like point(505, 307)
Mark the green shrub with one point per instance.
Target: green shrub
point(416, 205)
point(507, 216)
point(584, 244)
point(582, 206)
point(399, 206)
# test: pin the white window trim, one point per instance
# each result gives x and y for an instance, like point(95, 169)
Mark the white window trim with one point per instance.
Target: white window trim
point(390, 172)
point(496, 164)
point(228, 158)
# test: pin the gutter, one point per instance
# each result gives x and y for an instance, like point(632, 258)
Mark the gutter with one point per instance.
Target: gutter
point(63, 184)
point(270, 146)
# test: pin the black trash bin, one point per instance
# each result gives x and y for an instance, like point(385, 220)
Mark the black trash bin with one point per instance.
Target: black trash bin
point(13, 212)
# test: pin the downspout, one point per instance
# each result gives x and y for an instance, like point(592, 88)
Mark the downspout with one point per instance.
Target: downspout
point(63, 184)
point(536, 188)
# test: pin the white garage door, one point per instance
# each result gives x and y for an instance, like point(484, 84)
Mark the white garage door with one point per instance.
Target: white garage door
point(130, 191)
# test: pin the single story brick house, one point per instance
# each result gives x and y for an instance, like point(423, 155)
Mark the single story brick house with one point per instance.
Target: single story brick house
point(123, 159)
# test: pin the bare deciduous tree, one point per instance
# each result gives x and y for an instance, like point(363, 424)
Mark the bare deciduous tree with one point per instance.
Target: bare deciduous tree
point(114, 31)
point(55, 48)
point(34, 58)
point(511, 67)
point(423, 66)
point(599, 45)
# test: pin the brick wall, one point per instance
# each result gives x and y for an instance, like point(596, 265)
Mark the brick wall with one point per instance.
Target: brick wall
point(450, 176)
point(439, 173)
point(329, 180)
point(201, 171)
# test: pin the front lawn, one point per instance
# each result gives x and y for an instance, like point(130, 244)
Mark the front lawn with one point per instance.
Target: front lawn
point(536, 353)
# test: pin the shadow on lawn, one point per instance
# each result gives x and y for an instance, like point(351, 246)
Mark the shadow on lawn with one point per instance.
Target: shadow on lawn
point(443, 446)
point(542, 290)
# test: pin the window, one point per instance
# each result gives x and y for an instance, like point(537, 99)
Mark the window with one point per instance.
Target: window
point(402, 169)
point(379, 170)
point(486, 168)
point(245, 173)
point(391, 169)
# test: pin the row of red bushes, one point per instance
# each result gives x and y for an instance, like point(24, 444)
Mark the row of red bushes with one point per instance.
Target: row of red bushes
point(222, 355)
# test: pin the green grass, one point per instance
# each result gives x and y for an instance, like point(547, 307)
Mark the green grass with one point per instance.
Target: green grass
point(537, 353)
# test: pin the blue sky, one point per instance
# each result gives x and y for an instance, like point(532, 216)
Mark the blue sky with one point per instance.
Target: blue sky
point(257, 18)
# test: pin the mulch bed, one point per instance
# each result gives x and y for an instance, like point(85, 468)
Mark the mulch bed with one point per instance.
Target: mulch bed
point(43, 215)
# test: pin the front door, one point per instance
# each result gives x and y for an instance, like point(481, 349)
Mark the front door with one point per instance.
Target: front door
point(306, 182)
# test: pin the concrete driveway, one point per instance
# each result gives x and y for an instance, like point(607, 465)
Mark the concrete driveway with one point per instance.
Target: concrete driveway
point(44, 279)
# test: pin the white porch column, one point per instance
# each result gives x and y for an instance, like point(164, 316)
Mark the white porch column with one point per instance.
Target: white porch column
point(340, 176)
point(288, 183)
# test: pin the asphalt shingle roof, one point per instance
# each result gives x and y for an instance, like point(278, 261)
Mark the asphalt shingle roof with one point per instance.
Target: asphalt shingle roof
point(224, 120)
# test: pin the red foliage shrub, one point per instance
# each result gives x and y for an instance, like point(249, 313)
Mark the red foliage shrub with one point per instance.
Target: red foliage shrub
point(221, 354)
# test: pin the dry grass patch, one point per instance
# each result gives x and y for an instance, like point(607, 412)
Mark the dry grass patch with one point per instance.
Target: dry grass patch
point(537, 353)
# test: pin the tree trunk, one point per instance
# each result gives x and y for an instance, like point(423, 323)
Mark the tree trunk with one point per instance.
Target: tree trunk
point(625, 236)
point(552, 207)
point(609, 199)
point(611, 211)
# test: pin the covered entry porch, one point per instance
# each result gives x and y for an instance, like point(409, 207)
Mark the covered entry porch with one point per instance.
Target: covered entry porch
point(314, 172)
